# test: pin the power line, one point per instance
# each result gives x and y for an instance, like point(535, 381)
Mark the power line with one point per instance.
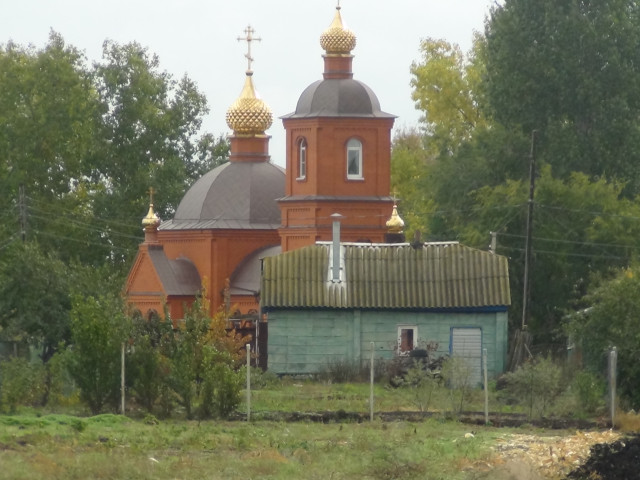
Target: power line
point(566, 254)
point(22, 204)
point(595, 214)
point(9, 241)
point(573, 242)
point(62, 237)
point(86, 226)
point(120, 223)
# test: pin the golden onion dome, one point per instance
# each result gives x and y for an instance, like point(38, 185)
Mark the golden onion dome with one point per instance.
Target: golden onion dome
point(151, 220)
point(337, 40)
point(249, 115)
point(395, 224)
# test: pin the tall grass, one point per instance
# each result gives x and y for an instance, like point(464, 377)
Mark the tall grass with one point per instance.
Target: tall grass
point(112, 447)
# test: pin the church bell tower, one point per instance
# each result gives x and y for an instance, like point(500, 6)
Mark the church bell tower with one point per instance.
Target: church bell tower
point(338, 153)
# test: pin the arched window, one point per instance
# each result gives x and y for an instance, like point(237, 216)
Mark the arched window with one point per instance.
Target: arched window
point(302, 159)
point(354, 159)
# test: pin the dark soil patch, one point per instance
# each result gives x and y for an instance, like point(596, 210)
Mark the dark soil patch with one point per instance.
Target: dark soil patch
point(472, 418)
point(620, 459)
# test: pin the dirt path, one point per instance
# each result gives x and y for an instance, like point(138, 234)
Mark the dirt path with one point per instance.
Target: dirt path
point(535, 457)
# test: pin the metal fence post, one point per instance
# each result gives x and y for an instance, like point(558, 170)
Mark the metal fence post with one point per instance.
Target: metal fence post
point(248, 382)
point(122, 382)
point(613, 357)
point(373, 345)
point(486, 386)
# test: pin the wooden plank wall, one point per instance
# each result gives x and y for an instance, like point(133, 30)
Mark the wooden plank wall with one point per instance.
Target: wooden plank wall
point(304, 342)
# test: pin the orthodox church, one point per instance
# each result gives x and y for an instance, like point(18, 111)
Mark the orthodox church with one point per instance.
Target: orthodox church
point(338, 147)
point(316, 251)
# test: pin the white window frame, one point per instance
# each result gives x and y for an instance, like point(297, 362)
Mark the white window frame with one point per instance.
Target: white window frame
point(302, 159)
point(354, 147)
point(414, 329)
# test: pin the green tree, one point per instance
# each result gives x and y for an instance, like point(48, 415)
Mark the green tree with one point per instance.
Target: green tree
point(187, 356)
point(548, 66)
point(148, 364)
point(21, 383)
point(49, 116)
point(467, 150)
point(98, 330)
point(150, 126)
point(409, 167)
point(87, 142)
point(35, 301)
point(492, 157)
point(446, 88)
point(612, 320)
point(571, 70)
point(580, 226)
point(211, 152)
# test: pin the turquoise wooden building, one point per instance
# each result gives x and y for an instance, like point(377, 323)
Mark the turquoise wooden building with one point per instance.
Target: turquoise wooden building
point(323, 309)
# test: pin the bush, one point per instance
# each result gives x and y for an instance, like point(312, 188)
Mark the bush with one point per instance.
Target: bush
point(21, 383)
point(259, 378)
point(589, 390)
point(221, 385)
point(418, 385)
point(203, 357)
point(342, 371)
point(537, 384)
point(346, 371)
point(148, 364)
point(62, 388)
point(458, 375)
point(98, 329)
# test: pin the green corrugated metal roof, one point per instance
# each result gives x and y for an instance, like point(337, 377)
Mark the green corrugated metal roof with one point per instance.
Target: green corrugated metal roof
point(438, 275)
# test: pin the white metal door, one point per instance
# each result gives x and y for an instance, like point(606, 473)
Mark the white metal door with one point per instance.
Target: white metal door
point(467, 343)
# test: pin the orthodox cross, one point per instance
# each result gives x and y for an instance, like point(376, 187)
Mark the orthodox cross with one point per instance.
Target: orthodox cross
point(249, 38)
point(151, 191)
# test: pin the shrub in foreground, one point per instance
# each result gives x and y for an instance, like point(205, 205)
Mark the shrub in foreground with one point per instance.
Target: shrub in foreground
point(21, 383)
point(536, 384)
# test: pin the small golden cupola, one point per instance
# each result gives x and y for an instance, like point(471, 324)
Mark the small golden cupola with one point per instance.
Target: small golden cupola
point(395, 224)
point(249, 115)
point(150, 222)
point(338, 40)
point(395, 227)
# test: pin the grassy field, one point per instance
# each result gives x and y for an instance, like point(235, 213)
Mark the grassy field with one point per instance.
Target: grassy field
point(37, 445)
point(114, 447)
point(310, 396)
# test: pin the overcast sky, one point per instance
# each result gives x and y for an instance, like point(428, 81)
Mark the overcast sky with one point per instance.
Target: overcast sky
point(199, 38)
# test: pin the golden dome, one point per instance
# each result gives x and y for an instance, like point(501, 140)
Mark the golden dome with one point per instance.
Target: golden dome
point(249, 115)
point(337, 40)
point(395, 224)
point(151, 220)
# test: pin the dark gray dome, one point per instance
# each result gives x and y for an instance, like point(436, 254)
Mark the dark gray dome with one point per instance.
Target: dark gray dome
point(338, 97)
point(245, 279)
point(234, 195)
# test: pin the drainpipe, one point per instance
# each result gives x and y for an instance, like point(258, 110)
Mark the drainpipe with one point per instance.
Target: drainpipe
point(335, 277)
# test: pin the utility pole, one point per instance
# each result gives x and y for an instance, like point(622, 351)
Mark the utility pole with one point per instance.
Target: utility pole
point(527, 248)
point(22, 207)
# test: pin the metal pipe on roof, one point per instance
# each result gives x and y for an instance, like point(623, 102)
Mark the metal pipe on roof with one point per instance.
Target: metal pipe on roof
point(335, 274)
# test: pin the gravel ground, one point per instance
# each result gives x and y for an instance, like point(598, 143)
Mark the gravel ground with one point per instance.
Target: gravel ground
point(534, 457)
